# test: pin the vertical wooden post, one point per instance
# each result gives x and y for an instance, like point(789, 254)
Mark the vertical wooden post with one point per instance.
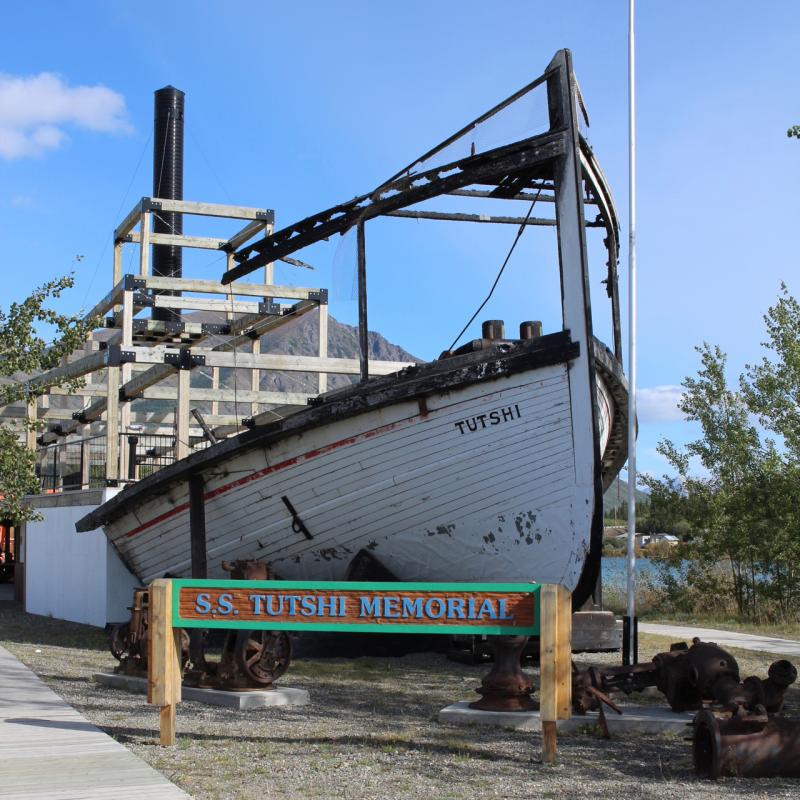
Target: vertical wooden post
point(555, 663)
point(85, 432)
point(125, 374)
point(255, 377)
point(182, 412)
point(59, 464)
point(564, 654)
point(163, 659)
point(117, 276)
point(363, 330)
point(112, 424)
point(214, 385)
point(144, 245)
point(230, 263)
point(32, 413)
point(323, 345)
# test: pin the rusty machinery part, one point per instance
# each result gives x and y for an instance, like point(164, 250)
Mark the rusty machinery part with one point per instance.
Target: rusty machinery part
point(118, 638)
point(247, 569)
point(128, 640)
point(263, 656)
point(688, 677)
point(746, 746)
point(250, 659)
point(506, 687)
point(586, 692)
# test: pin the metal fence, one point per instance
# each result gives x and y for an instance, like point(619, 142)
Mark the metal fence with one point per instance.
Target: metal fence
point(81, 463)
point(78, 464)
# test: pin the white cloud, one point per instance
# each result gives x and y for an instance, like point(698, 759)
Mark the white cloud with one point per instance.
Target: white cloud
point(35, 109)
point(659, 404)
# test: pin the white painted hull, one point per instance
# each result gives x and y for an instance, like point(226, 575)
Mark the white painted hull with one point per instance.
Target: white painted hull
point(434, 491)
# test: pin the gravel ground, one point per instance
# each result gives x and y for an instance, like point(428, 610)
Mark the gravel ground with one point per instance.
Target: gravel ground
point(370, 732)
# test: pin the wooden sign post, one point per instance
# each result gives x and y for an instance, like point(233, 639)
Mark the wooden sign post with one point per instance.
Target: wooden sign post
point(163, 658)
point(510, 609)
point(555, 663)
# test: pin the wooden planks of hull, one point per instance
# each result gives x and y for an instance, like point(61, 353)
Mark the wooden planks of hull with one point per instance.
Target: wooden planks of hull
point(477, 483)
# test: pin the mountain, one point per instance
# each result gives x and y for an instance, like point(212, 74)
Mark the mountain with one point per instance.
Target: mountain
point(300, 337)
point(617, 496)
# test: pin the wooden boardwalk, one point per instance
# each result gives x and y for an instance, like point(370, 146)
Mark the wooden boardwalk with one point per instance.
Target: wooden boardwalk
point(48, 750)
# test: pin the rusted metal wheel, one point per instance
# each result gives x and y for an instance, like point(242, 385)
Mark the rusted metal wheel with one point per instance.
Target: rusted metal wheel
point(119, 640)
point(263, 655)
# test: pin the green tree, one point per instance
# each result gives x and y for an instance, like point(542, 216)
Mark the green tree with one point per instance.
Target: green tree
point(745, 507)
point(34, 337)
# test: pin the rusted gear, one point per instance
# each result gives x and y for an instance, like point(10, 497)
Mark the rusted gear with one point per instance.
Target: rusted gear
point(263, 656)
point(119, 640)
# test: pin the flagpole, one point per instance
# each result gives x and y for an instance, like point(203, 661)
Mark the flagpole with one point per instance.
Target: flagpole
point(631, 565)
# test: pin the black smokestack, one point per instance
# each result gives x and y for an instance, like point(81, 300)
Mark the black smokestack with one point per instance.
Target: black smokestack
point(167, 183)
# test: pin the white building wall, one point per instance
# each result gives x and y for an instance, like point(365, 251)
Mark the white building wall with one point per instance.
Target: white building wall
point(69, 575)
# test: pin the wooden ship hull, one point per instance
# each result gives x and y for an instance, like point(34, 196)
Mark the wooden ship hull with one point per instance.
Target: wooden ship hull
point(488, 464)
point(465, 469)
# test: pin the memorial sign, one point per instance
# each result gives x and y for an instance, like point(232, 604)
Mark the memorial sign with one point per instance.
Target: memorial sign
point(517, 609)
point(449, 608)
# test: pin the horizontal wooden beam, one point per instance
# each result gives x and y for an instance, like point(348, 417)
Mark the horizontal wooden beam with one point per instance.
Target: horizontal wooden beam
point(206, 304)
point(239, 290)
point(179, 240)
point(202, 395)
point(212, 209)
point(213, 358)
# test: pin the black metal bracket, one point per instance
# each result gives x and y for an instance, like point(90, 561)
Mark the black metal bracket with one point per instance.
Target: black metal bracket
point(267, 215)
point(248, 422)
point(143, 300)
point(212, 328)
point(298, 526)
point(269, 309)
point(144, 326)
point(118, 356)
point(321, 296)
point(131, 283)
point(148, 204)
point(184, 359)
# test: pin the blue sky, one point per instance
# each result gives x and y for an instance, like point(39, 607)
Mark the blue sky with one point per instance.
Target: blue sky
point(299, 106)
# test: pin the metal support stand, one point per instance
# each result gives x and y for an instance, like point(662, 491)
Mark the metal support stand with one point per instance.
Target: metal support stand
point(630, 648)
point(506, 687)
point(197, 534)
point(363, 330)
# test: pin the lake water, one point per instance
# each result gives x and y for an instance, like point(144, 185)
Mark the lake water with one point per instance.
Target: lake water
point(615, 571)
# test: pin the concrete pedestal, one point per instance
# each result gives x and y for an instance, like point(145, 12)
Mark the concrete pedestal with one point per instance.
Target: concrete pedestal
point(596, 631)
point(634, 720)
point(239, 701)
